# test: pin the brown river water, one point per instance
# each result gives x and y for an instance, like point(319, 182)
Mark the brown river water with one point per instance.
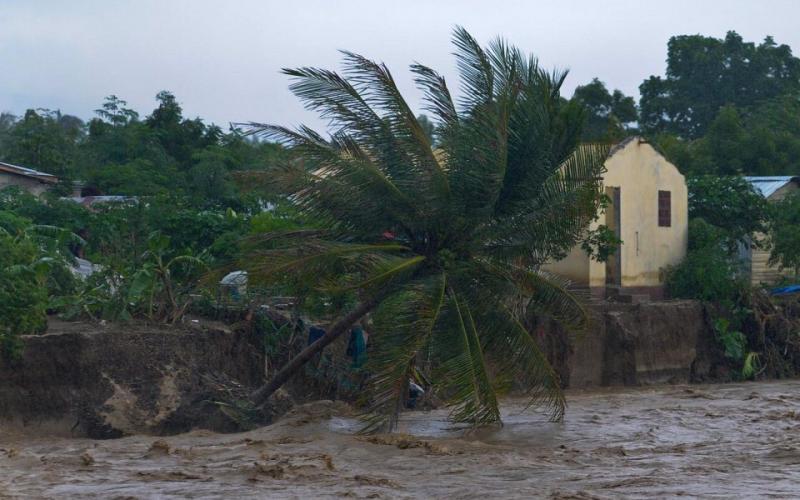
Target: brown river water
point(708, 441)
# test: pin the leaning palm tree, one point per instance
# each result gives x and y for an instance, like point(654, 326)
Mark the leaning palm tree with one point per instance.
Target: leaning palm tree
point(441, 244)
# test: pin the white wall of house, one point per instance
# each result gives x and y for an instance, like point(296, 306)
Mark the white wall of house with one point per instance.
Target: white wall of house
point(33, 186)
point(648, 248)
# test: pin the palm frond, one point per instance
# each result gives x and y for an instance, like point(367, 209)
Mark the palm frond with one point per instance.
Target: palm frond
point(552, 296)
point(518, 357)
point(378, 275)
point(406, 323)
point(475, 69)
point(273, 259)
point(466, 380)
point(339, 181)
point(336, 100)
point(380, 89)
point(436, 95)
point(551, 221)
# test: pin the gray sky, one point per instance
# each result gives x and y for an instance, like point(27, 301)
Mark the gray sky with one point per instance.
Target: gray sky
point(222, 58)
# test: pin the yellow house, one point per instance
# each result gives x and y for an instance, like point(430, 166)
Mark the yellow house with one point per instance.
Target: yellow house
point(756, 260)
point(648, 211)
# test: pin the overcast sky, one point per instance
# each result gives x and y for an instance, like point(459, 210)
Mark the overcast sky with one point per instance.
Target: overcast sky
point(222, 58)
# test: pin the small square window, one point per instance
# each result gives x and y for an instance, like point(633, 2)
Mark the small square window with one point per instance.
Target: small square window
point(664, 209)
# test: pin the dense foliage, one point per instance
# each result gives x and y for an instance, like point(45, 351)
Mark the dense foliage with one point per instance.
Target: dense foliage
point(731, 204)
point(704, 74)
point(610, 116)
point(725, 107)
point(710, 270)
point(785, 235)
point(33, 267)
point(117, 153)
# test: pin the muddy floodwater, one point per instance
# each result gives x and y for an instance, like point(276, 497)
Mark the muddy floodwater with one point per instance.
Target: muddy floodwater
point(723, 441)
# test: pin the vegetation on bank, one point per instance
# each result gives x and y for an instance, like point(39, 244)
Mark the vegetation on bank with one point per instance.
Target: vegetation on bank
point(753, 329)
point(435, 225)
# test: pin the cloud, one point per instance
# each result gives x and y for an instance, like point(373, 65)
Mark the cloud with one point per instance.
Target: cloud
point(222, 59)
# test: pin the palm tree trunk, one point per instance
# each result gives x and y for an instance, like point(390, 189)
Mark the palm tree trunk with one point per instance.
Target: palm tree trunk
point(332, 333)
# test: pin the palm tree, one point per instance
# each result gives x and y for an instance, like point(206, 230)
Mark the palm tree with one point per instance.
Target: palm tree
point(442, 246)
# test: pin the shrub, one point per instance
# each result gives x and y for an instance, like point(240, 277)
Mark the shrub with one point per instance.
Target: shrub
point(730, 204)
point(23, 294)
point(708, 272)
point(785, 237)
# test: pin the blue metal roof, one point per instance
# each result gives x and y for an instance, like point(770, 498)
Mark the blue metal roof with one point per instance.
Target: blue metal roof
point(768, 185)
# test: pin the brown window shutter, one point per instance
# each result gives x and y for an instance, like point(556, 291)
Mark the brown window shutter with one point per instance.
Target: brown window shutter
point(664, 209)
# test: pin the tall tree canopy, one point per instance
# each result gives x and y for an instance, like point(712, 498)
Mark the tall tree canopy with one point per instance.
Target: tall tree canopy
point(762, 139)
point(118, 153)
point(43, 139)
point(705, 73)
point(609, 115)
point(443, 244)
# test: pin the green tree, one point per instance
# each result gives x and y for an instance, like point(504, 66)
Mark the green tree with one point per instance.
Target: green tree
point(32, 267)
point(210, 176)
point(763, 139)
point(730, 204)
point(178, 136)
point(723, 150)
point(23, 295)
point(785, 234)
point(115, 112)
point(443, 245)
point(704, 74)
point(7, 121)
point(44, 140)
point(428, 127)
point(708, 272)
point(609, 115)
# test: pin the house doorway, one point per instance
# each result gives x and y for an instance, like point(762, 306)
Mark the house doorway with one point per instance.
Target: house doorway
point(613, 222)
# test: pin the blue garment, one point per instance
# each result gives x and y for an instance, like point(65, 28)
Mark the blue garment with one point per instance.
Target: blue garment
point(785, 290)
point(357, 346)
point(315, 333)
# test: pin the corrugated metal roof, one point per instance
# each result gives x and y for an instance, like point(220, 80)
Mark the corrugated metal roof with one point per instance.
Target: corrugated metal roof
point(91, 200)
point(27, 172)
point(768, 185)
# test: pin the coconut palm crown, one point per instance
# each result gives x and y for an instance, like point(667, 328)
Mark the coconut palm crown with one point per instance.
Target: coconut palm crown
point(442, 241)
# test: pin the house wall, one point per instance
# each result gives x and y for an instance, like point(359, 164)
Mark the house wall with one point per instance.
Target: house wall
point(33, 186)
point(575, 266)
point(647, 249)
point(760, 269)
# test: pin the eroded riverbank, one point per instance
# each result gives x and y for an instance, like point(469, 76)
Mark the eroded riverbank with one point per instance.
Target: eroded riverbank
point(703, 440)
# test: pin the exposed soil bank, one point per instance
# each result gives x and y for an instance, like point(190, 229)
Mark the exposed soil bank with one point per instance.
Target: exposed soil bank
point(109, 381)
point(728, 441)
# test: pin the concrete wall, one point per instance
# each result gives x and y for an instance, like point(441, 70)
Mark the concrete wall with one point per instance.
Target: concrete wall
point(33, 186)
point(640, 172)
point(642, 344)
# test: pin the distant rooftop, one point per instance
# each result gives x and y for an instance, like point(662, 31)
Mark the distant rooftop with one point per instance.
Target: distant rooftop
point(768, 185)
point(91, 200)
point(27, 172)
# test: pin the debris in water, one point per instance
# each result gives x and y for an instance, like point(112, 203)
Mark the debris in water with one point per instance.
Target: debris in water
point(158, 448)
point(87, 458)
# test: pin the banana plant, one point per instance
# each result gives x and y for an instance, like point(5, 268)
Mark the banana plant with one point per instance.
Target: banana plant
point(160, 284)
